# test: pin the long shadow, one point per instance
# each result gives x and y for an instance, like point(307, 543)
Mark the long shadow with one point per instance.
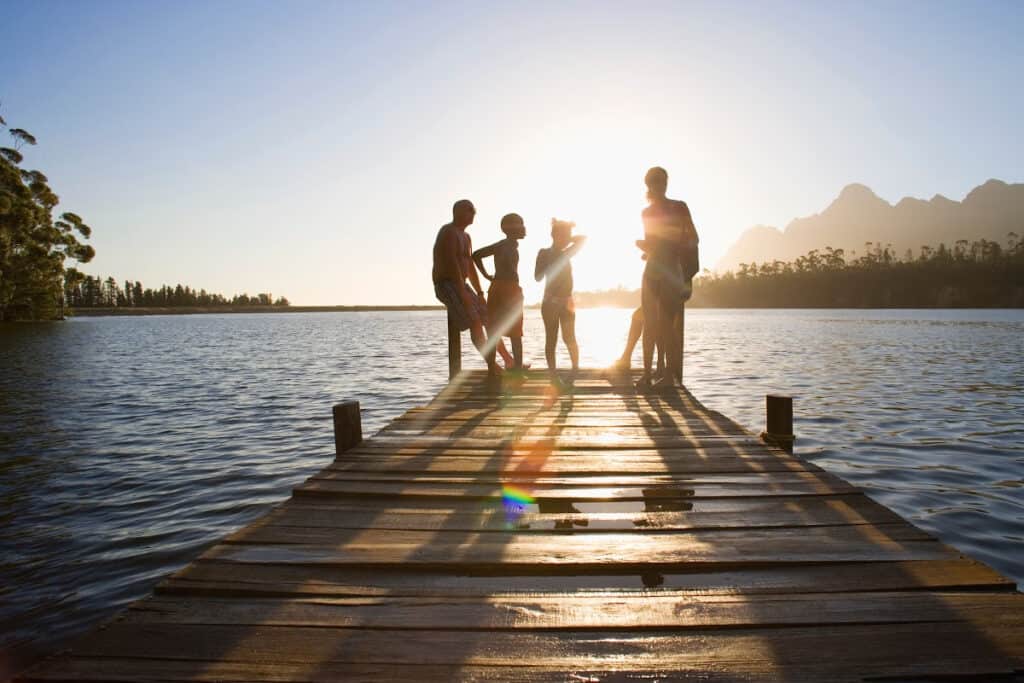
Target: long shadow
point(798, 652)
point(475, 534)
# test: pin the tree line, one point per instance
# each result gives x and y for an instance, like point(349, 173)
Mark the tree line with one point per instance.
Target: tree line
point(86, 291)
point(978, 274)
point(34, 241)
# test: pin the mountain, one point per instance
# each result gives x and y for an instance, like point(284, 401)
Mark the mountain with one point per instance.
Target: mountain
point(858, 215)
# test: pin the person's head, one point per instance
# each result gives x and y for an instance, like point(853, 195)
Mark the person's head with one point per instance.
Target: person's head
point(463, 213)
point(561, 232)
point(512, 225)
point(657, 183)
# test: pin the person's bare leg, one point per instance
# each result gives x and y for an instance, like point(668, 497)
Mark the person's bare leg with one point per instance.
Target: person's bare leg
point(517, 352)
point(550, 317)
point(673, 359)
point(666, 338)
point(649, 307)
point(636, 328)
point(568, 321)
point(476, 333)
point(506, 357)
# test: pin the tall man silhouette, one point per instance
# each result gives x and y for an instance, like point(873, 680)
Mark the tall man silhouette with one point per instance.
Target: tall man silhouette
point(670, 243)
point(453, 265)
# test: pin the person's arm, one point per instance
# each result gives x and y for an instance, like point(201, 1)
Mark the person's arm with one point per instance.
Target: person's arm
point(454, 249)
point(480, 254)
point(474, 279)
point(642, 245)
point(540, 269)
point(575, 246)
point(689, 253)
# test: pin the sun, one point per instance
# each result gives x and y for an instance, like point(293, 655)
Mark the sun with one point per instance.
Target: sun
point(590, 177)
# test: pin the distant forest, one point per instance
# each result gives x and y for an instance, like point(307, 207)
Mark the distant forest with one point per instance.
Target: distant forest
point(35, 241)
point(979, 274)
point(85, 291)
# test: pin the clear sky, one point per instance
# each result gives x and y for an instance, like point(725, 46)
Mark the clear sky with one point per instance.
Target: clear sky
point(312, 149)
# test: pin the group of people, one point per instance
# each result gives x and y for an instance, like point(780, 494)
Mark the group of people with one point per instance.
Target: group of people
point(669, 245)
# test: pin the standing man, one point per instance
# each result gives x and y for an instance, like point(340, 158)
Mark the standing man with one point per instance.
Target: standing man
point(453, 264)
point(670, 243)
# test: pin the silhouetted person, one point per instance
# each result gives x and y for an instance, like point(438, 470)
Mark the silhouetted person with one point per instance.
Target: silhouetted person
point(558, 309)
point(453, 264)
point(505, 296)
point(670, 243)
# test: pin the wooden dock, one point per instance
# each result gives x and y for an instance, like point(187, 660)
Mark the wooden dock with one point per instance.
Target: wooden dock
point(598, 536)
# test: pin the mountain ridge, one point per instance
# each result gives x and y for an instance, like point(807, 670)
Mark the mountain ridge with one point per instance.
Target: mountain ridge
point(858, 215)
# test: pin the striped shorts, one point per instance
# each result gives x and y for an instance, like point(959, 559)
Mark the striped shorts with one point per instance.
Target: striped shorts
point(449, 293)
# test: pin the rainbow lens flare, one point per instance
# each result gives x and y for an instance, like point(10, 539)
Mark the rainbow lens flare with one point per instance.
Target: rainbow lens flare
point(512, 495)
point(514, 500)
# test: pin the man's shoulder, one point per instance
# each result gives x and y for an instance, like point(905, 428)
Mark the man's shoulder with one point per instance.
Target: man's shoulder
point(453, 230)
point(663, 207)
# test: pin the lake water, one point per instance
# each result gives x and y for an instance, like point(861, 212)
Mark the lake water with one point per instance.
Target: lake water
point(128, 445)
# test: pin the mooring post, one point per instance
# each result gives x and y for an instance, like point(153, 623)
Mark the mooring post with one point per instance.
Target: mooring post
point(348, 428)
point(779, 430)
point(454, 349)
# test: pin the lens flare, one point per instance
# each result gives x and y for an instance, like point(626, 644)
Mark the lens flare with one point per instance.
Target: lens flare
point(515, 496)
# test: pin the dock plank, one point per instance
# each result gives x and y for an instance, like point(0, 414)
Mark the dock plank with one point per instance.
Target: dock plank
point(213, 578)
point(326, 653)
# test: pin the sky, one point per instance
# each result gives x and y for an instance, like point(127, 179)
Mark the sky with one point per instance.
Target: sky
point(313, 149)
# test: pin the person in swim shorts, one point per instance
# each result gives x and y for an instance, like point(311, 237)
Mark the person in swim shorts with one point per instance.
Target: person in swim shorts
point(453, 265)
point(505, 296)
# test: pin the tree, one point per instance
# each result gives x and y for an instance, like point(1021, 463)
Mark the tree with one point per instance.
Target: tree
point(972, 274)
point(34, 244)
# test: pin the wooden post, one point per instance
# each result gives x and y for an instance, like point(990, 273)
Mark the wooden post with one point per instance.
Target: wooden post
point(454, 349)
point(348, 428)
point(779, 430)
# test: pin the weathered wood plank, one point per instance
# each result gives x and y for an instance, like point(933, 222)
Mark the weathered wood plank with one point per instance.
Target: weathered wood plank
point(592, 552)
point(687, 451)
point(861, 648)
point(582, 611)
point(538, 478)
point(580, 442)
point(139, 669)
point(328, 487)
point(805, 512)
point(873, 534)
point(560, 463)
point(227, 578)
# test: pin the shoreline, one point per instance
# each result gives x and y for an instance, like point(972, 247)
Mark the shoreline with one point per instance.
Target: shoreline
point(187, 310)
point(200, 310)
